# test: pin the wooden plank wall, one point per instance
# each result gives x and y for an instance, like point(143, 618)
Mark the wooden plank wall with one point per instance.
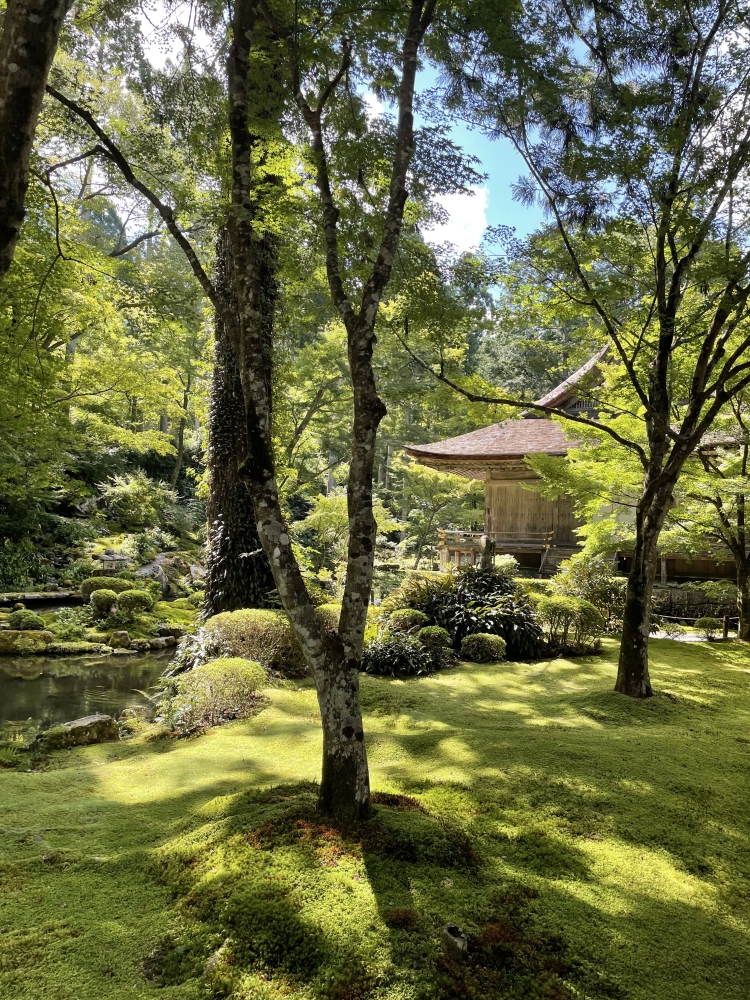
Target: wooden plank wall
point(509, 507)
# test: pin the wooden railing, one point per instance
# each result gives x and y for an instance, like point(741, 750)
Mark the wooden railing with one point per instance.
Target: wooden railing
point(527, 539)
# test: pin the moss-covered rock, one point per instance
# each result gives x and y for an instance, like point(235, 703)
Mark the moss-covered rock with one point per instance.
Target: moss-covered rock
point(80, 732)
point(21, 642)
point(81, 648)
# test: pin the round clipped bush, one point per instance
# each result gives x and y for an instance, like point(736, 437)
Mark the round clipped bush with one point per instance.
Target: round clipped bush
point(571, 621)
point(397, 655)
point(26, 621)
point(708, 626)
point(102, 602)
point(214, 692)
point(257, 634)
point(483, 648)
point(329, 615)
point(407, 620)
point(433, 638)
point(133, 602)
point(104, 583)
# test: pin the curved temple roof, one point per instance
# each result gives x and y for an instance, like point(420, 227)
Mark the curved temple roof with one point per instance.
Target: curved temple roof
point(509, 439)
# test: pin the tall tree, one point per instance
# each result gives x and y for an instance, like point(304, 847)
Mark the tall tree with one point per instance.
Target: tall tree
point(634, 122)
point(31, 31)
point(238, 574)
point(334, 661)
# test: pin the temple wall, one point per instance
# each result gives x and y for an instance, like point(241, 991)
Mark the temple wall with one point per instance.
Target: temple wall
point(510, 507)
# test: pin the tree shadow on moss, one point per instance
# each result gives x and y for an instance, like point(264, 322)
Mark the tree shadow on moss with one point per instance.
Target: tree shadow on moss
point(250, 889)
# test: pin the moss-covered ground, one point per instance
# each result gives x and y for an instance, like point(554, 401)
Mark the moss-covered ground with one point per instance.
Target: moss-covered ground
point(591, 846)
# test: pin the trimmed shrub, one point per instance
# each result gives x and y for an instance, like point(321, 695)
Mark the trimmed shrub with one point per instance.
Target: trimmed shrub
point(329, 615)
point(476, 600)
point(592, 579)
point(197, 598)
point(571, 621)
point(102, 602)
point(708, 626)
point(25, 621)
point(133, 602)
point(483, 648)
point(214, 692)
point(406, 620)
point(396, 655)
point(104, 583)
point(530, 587)
point(433, 638)
point(263, 635)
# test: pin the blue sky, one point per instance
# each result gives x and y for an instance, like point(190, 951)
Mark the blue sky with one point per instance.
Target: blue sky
point(492, 204)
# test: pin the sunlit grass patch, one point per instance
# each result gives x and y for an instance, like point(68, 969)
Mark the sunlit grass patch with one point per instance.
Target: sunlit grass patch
point(588, 845)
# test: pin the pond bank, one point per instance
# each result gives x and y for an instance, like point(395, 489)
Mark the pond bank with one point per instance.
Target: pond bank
point(38, 692)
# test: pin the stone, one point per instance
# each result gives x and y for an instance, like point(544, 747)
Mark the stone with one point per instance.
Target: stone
point(120, 640)
point(22, 641)
point(122, 652)
point(455, 942)
point(78, 733)
point(140, 645)
point(197, 573)
point(159, 643)
point(169, 640)
point(19, 606)
point(175, 631)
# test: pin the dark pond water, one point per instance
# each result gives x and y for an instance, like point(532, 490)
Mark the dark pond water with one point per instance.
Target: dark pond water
point(38, 692)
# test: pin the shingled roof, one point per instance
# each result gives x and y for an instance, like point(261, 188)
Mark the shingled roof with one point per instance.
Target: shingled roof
point(564, 390)
point(509, 439)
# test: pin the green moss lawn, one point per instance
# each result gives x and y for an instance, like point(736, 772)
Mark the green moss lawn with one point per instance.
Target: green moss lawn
point(590, 846)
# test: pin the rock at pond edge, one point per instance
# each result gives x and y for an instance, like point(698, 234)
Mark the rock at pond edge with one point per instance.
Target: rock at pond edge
point(78, 733)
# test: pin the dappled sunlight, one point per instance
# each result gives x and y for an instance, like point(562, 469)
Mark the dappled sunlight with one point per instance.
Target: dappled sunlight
point(625, 817)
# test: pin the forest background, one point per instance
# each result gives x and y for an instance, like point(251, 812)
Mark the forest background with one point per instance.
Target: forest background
point(107, 339)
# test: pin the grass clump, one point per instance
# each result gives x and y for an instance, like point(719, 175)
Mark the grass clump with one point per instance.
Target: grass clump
point(213, 692)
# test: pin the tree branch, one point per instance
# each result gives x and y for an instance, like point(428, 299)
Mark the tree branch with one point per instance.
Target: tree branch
point(114, 154)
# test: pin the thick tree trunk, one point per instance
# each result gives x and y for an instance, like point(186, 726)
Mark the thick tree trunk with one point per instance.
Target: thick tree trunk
point(632, 670)
point(31, 31)
point(238, 575)
point(743, 600)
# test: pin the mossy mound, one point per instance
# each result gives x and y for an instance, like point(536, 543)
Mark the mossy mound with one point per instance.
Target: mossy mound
point(78, 649)
point(607, 846)
point(22, 642)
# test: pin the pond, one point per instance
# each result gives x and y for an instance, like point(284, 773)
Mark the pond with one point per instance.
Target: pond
point(38, 692)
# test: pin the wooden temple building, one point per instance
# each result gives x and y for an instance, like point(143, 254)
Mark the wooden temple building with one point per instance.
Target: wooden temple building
point(540, 533)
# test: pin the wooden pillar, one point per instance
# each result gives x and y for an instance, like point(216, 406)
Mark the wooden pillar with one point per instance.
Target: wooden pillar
point(664, 576)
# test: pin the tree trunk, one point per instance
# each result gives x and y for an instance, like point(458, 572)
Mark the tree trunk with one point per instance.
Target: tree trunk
point(31, 31)
point(238, 574)
point(632, 669)
point(743, 600)
point(180, 453)
point(345, 780)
